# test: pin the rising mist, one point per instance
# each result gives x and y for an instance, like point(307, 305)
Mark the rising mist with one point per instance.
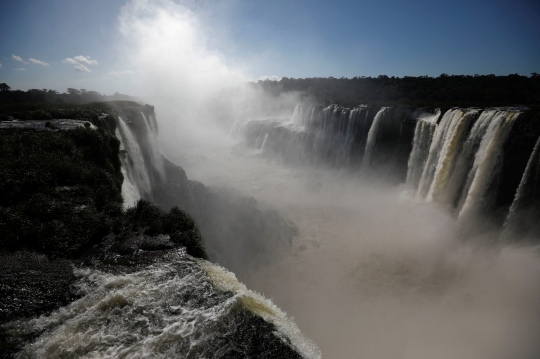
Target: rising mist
point(373, 273)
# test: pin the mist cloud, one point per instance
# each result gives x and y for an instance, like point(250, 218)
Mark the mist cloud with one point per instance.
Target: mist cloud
point(119, 73)
point(167, 48)
point(270, 78)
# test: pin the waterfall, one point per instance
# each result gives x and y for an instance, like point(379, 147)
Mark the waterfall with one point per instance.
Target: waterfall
point(527, 192)
point(137, 169)
point(487, 163)
point(436, 147)
point(297, 117)
point(153, 148)
point(452, 158)
point(372, 137)
point(130, 193)
point(451, 146)
point(349, 132)
point(423, 134)
point(237, 129)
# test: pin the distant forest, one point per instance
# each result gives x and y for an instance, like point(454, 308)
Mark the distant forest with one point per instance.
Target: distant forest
point(49, 104)
point(73, 96)
point(443, 91)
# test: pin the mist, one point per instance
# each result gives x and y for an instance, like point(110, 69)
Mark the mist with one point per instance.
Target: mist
point(373, 273)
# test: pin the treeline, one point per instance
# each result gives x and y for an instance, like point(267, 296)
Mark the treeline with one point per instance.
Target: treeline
point(72, 95)
point(445, 90)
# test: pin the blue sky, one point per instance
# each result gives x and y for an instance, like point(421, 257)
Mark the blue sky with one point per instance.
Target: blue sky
point(293, 38)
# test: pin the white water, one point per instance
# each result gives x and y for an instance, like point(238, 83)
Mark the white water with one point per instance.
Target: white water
point(437, 146)
point(522, 191)
point(451, 146)
point(138, 172)
point(372, 138)
point(162, 311)
point(487, 163)
point(423, 134)
point(130, 193)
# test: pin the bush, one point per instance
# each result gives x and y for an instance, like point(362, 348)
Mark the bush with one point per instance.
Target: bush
point(148, 219)
point(60, 192)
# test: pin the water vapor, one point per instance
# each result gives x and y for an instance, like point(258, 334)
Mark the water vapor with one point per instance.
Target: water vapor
point(373, 273)
point(178, 71)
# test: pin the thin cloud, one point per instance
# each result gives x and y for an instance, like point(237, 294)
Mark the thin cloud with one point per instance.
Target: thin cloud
point(0, 64)
point(38, 62)
point(79, 62)
point(70, 61)
point(85, 60)
point(123, 72)
point(20, 69)
point(18, 58)
point(82, 68)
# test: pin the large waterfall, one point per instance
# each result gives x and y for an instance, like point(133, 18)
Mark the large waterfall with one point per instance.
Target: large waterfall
point(453, 157)
point(158, 301)
point(142, 161)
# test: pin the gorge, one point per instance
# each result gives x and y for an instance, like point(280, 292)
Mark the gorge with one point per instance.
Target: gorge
point(300, 210)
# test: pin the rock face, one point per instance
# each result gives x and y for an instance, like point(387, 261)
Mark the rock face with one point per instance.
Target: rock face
point(63, 226)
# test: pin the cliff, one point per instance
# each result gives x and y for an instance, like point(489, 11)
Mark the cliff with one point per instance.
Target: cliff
point(65, 172)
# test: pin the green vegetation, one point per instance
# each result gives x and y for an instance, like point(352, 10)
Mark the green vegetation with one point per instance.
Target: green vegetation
point(60, 191)
point(443, 91)
point(150, 220)
point(51, 96)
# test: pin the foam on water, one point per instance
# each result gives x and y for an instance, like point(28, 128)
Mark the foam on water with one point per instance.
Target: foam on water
point(182, 308)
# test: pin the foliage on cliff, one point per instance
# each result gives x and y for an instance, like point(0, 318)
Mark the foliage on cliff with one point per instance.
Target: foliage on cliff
point(61, 190)
point(72, 95)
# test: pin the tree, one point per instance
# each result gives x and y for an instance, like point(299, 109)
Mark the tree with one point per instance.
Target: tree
point(4, 87)
point(73, 92)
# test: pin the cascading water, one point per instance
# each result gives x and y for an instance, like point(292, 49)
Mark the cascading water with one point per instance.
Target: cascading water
point(527, 193)
point(372, 138)
point(182, 308)
point(423, 134)
point(130, 193)
point(137, 170)
point(438, 149)
point(443, 161)
point(297, 117)
point(487, 163)
point(451, 146)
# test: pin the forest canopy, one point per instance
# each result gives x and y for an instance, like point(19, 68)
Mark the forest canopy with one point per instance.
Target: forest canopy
point(443, 91)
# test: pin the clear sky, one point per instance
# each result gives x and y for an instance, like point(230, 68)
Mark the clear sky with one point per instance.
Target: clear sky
point(87, 43)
